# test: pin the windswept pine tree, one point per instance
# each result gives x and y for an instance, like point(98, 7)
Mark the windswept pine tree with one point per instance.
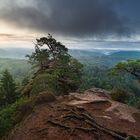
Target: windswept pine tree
point(56, 69)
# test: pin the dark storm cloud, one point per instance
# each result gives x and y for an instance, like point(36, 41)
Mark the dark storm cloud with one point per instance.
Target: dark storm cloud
point(67, 17)
point(130, 9)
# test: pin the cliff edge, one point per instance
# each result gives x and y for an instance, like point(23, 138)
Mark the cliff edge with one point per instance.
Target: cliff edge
point(90, 115)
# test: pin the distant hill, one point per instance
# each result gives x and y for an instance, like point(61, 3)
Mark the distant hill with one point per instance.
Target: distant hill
point(15, 53)
point(104, 58)
point(102, 53)
point(126, 54)
point(21, 52)
point(89, 56)
point(85, 53)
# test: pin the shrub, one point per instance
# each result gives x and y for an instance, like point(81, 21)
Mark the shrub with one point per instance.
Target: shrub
point(45, 82)
point(27, 89)
point(44, 97)
point(138, 105)
point(120, 95)
point(8, 117)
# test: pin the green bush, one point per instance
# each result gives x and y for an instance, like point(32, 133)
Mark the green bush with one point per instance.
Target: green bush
point(44, 97)
point(45, 82)
point(27, 89)
point(8, 117)
point(138, 105)
point(120, 95)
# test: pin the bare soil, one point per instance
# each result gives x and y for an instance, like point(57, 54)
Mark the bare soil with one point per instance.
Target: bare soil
point(88, 116)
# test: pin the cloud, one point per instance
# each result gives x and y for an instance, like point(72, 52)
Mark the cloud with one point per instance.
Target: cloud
point(78, 18)
point(15, 37)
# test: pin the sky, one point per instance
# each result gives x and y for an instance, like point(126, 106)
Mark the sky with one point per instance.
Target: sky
point(97, 24)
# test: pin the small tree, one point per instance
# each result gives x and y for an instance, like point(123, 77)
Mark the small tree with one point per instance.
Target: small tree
point(8, 89)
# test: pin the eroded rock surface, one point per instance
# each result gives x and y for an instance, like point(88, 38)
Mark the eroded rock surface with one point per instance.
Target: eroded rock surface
point(91, 115)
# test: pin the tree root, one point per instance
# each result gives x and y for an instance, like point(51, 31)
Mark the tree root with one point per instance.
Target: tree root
point(71, 128)
point(93, 123)
point(82, 115)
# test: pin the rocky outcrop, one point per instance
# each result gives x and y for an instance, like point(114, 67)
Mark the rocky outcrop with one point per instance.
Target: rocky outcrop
point(91, 115)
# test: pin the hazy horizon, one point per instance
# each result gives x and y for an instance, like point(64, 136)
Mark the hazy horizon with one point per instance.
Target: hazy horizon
point(96, 45)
